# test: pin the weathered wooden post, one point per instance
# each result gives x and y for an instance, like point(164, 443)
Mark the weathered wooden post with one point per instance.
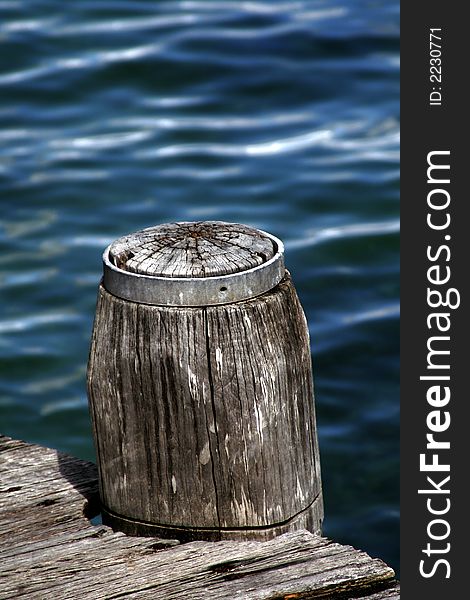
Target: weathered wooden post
point(200, 387)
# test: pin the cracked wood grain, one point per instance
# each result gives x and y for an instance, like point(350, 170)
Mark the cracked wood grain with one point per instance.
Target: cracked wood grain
point(50, 550)
point(199, 249)
point(204, 417)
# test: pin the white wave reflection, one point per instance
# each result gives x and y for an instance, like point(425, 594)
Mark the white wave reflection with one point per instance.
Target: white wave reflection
point(382, 312)
point(102, 141)
point(365, 142)
point(214, 122)
point(321, 14)
point(56, 383)
point(202, 174)
point(327, 332)
point(68, 175)
point(26, 75)
point(249, 7)
point(29, 26)
point(355, 142)
point(109, 56)
point(173, 101)
point(205, 212)
point(91, 60)
point(60, 405)
point(15, 134)
point(36, 321)
point(282, 146)
point(8, 280)
point(90, 241)
point(318, 236)
point(42, 219)
point(279, 146)
point(136, 24)
point(230, 33)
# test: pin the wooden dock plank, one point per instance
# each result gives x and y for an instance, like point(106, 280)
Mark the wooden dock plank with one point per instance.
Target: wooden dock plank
point(49, 548)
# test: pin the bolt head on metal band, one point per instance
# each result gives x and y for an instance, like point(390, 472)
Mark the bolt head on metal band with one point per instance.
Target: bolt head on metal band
point(195, 291)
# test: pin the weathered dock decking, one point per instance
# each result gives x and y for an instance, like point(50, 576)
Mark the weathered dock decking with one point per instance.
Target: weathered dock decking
point(49, 549)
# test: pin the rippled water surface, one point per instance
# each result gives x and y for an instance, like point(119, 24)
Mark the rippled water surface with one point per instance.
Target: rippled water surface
point(118, 114)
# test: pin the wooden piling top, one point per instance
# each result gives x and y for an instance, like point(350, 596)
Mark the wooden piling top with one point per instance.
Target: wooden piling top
point(197, 263)
point(192, 249)
point(49, 548)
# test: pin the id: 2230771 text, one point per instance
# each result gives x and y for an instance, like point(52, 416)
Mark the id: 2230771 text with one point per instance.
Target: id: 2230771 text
point(435, 66)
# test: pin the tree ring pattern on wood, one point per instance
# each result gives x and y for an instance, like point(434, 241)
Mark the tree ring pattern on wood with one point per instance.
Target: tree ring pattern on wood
point(193, 264)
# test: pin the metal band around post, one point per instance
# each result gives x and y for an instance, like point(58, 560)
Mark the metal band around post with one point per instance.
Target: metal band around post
point(195, 291)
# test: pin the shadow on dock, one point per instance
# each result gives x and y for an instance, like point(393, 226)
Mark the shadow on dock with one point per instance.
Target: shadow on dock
point(83, 477)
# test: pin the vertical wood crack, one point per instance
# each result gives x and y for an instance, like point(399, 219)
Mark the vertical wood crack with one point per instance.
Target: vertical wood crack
point(212, 396)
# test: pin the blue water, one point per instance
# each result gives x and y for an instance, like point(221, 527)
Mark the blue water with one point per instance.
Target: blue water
point(120, 114)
